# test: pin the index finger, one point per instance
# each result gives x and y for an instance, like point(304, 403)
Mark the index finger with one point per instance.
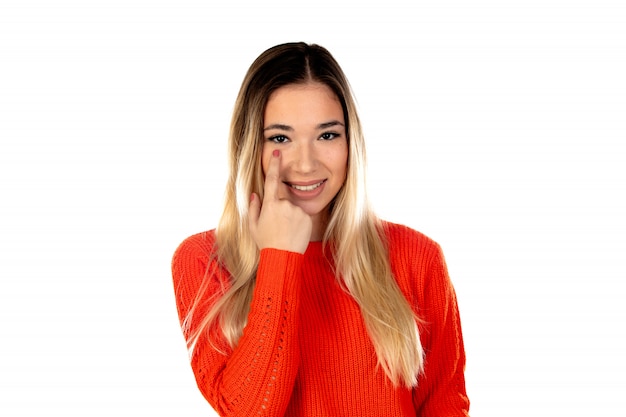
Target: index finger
point(272, 176)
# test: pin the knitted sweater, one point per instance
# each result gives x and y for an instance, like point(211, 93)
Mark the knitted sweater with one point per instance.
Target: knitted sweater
point(305, 350)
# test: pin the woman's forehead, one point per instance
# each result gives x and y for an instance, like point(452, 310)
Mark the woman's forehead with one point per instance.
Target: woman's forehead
point(310, 103)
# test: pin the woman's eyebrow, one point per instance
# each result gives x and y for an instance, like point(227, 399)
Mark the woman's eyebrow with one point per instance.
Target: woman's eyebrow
point(279, 126)
point(330, 124)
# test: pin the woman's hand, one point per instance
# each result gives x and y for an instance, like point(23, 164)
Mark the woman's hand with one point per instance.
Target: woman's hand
point(277, 223)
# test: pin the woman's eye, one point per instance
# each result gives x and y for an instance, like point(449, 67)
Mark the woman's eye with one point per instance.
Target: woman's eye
point(329, 136)
point(278, 139)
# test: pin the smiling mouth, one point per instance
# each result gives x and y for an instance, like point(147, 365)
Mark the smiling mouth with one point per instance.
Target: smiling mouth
point(306, 187)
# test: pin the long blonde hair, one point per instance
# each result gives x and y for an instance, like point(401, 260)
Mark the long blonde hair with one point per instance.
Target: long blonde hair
point(354, 233)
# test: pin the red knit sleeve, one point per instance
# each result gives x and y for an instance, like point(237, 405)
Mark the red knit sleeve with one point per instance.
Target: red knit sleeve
point(256, 378)
point(441, 390)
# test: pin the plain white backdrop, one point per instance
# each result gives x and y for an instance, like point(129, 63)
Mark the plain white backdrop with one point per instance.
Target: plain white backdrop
point(498, 128)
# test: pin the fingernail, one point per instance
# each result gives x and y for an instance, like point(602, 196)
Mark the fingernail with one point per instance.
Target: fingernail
point(251, 197)
point(276, 152)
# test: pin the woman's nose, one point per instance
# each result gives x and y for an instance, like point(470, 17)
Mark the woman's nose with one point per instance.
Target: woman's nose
point(305, 158)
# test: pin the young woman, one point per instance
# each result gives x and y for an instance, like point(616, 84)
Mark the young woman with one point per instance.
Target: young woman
point(302, 302)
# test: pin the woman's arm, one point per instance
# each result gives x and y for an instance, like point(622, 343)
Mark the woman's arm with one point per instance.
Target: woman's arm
point(257, 376)
point(441, 390)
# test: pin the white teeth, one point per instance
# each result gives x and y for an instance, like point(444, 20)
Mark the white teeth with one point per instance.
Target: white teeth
point(307, 187)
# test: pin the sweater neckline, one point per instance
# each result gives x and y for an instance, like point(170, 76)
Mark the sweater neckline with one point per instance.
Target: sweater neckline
point(316, 248)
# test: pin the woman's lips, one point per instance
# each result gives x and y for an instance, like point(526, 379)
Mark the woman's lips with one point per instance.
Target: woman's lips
point(306, 189)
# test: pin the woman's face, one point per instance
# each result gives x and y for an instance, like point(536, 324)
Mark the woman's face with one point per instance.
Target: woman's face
point(305, 123)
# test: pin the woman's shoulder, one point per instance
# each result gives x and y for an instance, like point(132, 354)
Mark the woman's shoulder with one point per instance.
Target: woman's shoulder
point(399, 235)
point(190, 263)
point(411, 248)
point(199, 246)
point(415, 259)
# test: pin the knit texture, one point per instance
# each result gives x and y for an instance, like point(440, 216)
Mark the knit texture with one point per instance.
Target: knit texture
point(305, 350)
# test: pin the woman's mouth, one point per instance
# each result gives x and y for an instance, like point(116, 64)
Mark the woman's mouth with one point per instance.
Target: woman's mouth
point(310, 187)
point(306, 190)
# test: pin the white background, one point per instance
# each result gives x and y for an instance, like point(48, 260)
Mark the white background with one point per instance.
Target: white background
point(498, 128)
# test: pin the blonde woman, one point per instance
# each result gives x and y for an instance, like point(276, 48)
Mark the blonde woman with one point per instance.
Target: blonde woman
point(302, 302)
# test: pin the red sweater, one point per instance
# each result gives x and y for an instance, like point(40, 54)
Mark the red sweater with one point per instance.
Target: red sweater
point(305, 350)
